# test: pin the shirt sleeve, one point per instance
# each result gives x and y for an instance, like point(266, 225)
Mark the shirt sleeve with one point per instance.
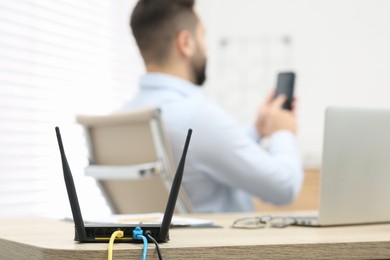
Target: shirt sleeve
point(229, 155)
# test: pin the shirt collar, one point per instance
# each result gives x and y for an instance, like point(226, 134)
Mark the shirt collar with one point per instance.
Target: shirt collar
point(165, 81)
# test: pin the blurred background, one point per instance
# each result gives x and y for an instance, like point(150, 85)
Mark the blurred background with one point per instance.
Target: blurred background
point(64, 58)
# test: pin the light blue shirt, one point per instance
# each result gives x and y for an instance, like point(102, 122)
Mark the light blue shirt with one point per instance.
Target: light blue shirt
point(226, 166)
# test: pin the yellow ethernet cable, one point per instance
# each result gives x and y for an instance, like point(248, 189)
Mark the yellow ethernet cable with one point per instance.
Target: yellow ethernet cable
point(114, 235)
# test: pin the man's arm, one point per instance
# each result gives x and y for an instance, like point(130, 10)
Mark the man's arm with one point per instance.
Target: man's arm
point(233, 158)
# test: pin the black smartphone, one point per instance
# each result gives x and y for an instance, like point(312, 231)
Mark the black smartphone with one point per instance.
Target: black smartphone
point(285, 85)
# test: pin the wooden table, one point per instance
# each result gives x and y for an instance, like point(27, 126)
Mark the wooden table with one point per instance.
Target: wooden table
point(39, 238)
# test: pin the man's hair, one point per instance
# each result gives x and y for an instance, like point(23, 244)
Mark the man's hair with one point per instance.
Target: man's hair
point(155, 24)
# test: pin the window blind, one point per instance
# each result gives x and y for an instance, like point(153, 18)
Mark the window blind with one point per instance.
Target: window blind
point(58, 59)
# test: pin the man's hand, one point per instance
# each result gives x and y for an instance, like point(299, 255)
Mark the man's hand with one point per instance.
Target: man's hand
point(272, 117)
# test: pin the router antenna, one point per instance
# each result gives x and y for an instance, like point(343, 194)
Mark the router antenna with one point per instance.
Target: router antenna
point(70, 187)
point(166, 223)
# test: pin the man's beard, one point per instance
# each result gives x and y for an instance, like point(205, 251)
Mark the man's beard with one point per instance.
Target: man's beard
point(199, 69)
point(200, 74)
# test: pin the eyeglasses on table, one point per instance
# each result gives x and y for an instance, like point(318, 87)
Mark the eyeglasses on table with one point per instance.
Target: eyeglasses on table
point(265, 221)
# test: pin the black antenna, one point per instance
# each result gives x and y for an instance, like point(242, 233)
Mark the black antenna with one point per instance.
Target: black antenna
point(74, 202)
point(166, 223)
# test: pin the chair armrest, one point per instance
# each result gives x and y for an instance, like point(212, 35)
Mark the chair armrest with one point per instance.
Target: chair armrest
point(105, 172)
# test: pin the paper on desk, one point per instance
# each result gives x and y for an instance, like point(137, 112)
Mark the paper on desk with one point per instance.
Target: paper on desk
point(150, 218)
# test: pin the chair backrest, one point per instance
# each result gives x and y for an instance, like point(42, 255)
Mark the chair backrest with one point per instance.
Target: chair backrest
point(131, 159)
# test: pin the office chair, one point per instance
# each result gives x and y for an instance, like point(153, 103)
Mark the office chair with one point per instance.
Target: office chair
point(131, 159)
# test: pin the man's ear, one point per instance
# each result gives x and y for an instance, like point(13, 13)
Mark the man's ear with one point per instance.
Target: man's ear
point(185, 43)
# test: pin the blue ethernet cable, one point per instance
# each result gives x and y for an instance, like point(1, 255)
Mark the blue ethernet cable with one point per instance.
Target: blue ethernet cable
point(145, 250)
point(138, 235)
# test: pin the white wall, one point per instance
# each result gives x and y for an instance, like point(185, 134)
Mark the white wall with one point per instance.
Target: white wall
point(340, 50)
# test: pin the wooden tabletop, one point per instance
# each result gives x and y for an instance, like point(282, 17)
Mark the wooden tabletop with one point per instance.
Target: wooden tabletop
point(39, 238)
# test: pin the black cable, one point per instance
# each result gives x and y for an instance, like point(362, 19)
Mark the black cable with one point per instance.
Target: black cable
point(156, 243)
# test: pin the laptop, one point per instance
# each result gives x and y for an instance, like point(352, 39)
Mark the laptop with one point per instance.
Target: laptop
point(102, 233)
point(355, 173)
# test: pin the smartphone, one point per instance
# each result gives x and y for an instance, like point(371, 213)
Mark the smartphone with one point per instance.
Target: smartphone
point(285, 86)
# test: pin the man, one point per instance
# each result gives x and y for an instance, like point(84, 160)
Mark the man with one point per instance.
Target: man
point(226, 166)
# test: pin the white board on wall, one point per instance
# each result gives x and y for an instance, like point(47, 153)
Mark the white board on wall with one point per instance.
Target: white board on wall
point(339, 50)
